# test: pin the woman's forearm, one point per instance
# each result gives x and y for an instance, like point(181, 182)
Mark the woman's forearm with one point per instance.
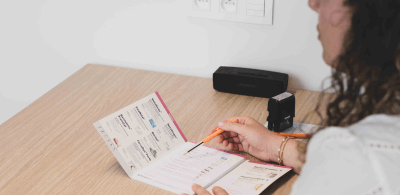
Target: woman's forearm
point(292, 156)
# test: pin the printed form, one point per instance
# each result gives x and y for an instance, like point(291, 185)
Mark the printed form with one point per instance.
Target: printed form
point(250, 178)
point(149, 145)
point(141, 133)
point(177, 172)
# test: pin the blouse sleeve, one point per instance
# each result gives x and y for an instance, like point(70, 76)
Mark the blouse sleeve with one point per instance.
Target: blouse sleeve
point(337, 163)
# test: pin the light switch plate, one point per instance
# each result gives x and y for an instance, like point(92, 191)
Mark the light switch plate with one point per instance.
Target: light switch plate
point(227, 14)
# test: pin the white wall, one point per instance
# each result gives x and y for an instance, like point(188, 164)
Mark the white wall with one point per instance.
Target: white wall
point(42, 42)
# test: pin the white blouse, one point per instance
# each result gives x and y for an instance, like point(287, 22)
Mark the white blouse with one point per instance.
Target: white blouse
point(363, 158)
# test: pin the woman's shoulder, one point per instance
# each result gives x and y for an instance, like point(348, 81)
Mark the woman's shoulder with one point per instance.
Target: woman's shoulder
point(362, 158)
point(378, 131)
point(381, 130)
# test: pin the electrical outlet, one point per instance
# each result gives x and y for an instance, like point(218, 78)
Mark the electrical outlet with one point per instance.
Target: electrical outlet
point(202, 5)
point(229, 6)
point(248, 11)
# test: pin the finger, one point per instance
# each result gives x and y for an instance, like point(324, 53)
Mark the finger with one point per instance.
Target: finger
point(219, 191)
point(241, 120)
point(241, 147)
point(232, 134)
point(230, 140)
point(219, 139)
point(230, 146)
point(236, 140)
point(225, 143)
point(199, 190)
point(231, 126)
point(226, 134)
point(213, 130)
point(235, 147)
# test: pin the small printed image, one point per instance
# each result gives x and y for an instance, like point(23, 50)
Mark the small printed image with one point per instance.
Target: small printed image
point(116, 142)
point(132, 165)
point(153, 152)
point(271, 175)
point(258, 186)
point(113, 148)
point(152, 123)
point(138, 130)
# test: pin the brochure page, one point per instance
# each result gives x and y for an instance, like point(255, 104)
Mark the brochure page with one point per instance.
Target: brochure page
point(177, 172)
point(141, 133)
point(250, 178)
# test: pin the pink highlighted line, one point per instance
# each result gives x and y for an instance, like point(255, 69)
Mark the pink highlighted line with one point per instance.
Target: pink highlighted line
point(221, 150)
point(170, 115)
point(261, 163)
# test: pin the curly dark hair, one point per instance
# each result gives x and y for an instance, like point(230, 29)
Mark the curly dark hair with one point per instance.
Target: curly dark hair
point(367, 75)
point(366, 80)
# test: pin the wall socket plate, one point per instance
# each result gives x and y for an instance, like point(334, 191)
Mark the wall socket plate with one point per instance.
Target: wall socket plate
point(247, 11)
point(202, 5)
point(228, 6)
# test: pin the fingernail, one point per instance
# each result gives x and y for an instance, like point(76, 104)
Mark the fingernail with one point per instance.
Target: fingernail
point(194, 184)
point(220, 124)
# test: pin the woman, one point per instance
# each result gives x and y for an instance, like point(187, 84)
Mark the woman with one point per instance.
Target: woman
point(360, 152)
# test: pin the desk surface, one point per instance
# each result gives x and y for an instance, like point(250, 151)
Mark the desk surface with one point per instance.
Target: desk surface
point(51, 147)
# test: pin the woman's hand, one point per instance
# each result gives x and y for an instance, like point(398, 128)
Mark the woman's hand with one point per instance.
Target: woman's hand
point(201, 191)
point(249, 136)
point(252, 137)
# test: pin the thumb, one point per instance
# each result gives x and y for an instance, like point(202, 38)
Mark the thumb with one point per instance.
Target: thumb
point(232, 126)
point(219, 191)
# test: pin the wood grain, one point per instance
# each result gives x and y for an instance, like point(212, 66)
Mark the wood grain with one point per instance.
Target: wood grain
point(51, 147)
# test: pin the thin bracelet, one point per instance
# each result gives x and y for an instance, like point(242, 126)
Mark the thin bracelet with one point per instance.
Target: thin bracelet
point(283, 147)
point(280, 149)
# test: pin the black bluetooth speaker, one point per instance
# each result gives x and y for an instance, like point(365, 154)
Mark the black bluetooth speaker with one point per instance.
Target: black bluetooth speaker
point(251, 82)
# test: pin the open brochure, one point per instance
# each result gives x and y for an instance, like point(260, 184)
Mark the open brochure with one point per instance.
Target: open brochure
point(149, 145)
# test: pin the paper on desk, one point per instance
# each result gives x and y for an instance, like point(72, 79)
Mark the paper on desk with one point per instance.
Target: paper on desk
point(250, 178)
point(177, 172)
point(141, 133)
point(300, 128)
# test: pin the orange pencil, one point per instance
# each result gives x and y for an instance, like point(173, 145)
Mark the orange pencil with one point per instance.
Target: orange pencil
point(294, 135)
point(210, 137)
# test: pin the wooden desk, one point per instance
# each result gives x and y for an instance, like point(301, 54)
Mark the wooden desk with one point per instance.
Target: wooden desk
point(51, 147)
